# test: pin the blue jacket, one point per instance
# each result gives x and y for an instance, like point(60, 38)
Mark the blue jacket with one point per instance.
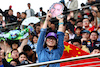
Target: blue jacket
point(44, 54)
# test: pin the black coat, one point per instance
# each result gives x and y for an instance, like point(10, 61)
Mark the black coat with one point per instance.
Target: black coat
point(10, 19)
point(6, 64)
point(43, 13)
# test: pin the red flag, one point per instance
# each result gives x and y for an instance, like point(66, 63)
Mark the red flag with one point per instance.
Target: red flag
point(91, 29)
point(73, 51)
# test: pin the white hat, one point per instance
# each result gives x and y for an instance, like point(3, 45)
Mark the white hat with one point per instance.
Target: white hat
point(1, 14)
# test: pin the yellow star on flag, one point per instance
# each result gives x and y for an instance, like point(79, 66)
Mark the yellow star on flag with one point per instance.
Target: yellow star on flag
point(77, 49)
point(67, 48)
point(79, 52)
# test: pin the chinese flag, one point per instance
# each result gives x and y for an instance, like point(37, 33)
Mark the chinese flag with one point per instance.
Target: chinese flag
point(91, 29)
point(73, 51)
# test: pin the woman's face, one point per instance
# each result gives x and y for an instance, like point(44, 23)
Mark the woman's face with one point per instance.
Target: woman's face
point(35, 39)
point(51, 41)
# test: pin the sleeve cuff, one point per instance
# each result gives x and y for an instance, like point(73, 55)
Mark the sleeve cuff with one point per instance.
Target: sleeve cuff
point(59, 33)
point(43, 29)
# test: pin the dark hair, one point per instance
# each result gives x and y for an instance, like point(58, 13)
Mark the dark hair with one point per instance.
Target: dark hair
point(26, 48)
point(35, 36)
point(15, 42)
point(79, 21)
point(82, 4)
point(41, 8)
point(76, 40)
point(96, 47)
point(24, 13)
point(79, 28)
point(10, 42)
point(28, 3)
point(14, 50)
point(15, 61)
point(18, 12)
point(24, 54)
point(45, 45)
point(86, 18)
point(11, 10)
point(0, 48)
point(72, 19)
point(94, 32)
point(70, 40)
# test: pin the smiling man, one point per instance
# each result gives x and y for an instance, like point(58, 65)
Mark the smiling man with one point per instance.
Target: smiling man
point(56, 9)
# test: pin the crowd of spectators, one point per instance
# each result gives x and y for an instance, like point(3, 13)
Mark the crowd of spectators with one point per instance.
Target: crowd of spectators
point(80, 28)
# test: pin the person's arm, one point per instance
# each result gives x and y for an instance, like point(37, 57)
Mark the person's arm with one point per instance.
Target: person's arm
point(42, 34)
point(60, 34)
point(97, 11)
point(24, 42)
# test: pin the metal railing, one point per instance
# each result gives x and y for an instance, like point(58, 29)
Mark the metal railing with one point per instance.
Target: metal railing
point(62, 60)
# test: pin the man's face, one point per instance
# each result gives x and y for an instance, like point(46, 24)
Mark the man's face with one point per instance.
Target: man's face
point(77, 31)
point(80, 24)
point(56, 10)
point(85, 22)
point(77, 44)
point(18, 15)
point(23, 16)
point(95, 51)
point(15, 54)
point(93, 36)
point(22, 58)
point(10, 12)
point(53, 26)
point(85, 35)
point(29, 52)
point(29, 5)
point(66, 37)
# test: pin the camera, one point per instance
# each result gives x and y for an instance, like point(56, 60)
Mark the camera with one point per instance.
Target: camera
point(24, 62)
